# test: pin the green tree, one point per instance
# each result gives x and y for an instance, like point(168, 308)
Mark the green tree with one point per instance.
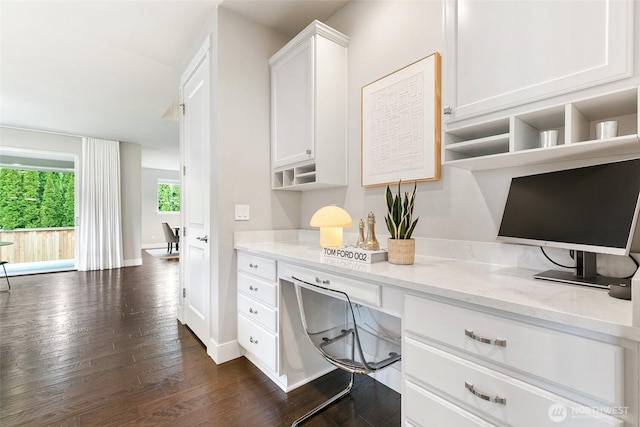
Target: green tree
point(168, 197)
point(68, 185)
point(175, 198)
point(51, 211)
point(32, 194)
point(11, 200)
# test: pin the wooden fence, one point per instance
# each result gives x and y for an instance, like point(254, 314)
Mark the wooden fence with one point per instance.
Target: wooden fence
point(38, 244)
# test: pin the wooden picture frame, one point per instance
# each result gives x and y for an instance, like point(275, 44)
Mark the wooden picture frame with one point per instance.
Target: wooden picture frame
point(400, 134)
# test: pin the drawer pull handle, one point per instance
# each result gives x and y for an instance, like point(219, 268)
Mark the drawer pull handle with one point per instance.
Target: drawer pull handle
point(252, 311)
point(253, 341)
point(251, 288)
point(472, 390)
point(324, 282)
point(499, 342)
point(252, 265)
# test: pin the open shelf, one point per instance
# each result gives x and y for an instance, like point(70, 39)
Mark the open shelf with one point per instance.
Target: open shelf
point(298, 178)
point(515, 140)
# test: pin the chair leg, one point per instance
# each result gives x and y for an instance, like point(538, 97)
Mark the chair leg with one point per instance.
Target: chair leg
point(321, 407)
point(6, 277)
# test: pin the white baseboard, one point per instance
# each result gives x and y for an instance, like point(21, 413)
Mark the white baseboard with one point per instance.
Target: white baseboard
point(221, 353)
point(153, 245)
point(132, 262)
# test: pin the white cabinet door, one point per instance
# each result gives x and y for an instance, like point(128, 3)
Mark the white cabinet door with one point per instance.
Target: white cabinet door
point(504, 53)
point(292, 106)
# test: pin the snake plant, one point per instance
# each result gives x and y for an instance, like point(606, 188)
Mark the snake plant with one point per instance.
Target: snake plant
point(399, 218)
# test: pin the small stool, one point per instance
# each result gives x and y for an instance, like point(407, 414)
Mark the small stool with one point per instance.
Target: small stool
point(5, 275)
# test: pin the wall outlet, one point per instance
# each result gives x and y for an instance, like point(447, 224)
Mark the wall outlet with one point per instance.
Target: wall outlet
point(242, 212)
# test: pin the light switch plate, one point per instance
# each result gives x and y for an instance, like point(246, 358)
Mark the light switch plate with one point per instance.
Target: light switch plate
point(242, 212)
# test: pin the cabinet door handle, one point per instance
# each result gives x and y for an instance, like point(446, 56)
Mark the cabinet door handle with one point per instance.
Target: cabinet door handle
point(324, 282)
point(308, 151)
point(496, 399)
point(252, 265)
point(204, 238)
point(252, 311)
point(251, 288)
point(447, 110)
point(253, 341)
point(499, 342)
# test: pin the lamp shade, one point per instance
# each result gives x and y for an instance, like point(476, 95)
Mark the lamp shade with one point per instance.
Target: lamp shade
point(331, 216)
point(331, 219)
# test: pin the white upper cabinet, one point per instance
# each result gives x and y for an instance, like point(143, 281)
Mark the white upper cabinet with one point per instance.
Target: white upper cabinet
point(308, 110)
point(502, 53)
point(514, 69)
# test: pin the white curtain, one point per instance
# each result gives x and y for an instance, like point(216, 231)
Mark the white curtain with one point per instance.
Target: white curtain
point(99, 229)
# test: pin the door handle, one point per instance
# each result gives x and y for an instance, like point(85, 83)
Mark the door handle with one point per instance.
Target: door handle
point(203, 239)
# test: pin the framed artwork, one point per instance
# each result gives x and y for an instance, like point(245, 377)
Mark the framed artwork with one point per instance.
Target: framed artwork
point(401, 125)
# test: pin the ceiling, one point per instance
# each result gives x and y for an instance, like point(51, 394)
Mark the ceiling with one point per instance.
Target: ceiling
point(111, 69)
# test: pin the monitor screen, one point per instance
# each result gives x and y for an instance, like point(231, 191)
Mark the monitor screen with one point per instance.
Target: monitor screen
point(592, 208)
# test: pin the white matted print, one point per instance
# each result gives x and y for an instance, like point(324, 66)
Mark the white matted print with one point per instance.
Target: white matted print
point(401, 125)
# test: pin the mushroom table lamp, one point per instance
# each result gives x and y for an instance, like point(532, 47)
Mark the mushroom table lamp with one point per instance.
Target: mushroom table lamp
point(331, 220)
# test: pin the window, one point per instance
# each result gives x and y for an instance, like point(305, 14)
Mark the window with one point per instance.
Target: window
point(32, 198)
point(168, 197)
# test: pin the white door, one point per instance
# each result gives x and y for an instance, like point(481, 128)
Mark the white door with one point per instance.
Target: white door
point(195, 252)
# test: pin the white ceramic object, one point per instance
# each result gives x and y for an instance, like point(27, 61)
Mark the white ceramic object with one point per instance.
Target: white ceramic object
point(607, 129)
point(548, 138)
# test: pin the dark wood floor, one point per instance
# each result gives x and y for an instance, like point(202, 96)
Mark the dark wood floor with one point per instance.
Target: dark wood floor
point(105, 348)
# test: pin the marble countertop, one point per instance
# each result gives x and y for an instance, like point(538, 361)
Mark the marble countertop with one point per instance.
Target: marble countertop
point(510, 289)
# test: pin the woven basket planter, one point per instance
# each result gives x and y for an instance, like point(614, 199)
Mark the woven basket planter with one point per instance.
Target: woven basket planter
point(401, 251)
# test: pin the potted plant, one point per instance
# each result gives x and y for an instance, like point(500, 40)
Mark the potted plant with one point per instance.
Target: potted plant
point(401, 248)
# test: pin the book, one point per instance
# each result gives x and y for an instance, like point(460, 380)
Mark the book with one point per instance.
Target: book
point(356, 254)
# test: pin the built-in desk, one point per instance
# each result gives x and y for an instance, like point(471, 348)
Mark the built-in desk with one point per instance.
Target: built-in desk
point(483, 344)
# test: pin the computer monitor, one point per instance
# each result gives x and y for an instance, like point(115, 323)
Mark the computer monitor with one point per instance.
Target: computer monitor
point(591, 210)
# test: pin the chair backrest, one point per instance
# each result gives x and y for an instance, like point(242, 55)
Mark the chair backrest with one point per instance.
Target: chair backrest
point(169, 235)
point(351, 336)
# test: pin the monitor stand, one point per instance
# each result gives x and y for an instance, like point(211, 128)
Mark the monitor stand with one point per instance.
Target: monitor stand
point(585, 274)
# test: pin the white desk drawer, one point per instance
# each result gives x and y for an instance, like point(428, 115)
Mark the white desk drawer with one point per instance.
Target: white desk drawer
point(510, 401)
point(258, 312)
point(259, 289)
point(362, 292)
point(425, 409)
point(257, 341)
point(258, 266)
point(555, 356)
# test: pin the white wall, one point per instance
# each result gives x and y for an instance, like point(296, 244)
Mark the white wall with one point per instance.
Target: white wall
point(160, 159)
point(385, 36)
point(152, 234)
point(20, 139)
point(130, 194)
point(244, 149)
